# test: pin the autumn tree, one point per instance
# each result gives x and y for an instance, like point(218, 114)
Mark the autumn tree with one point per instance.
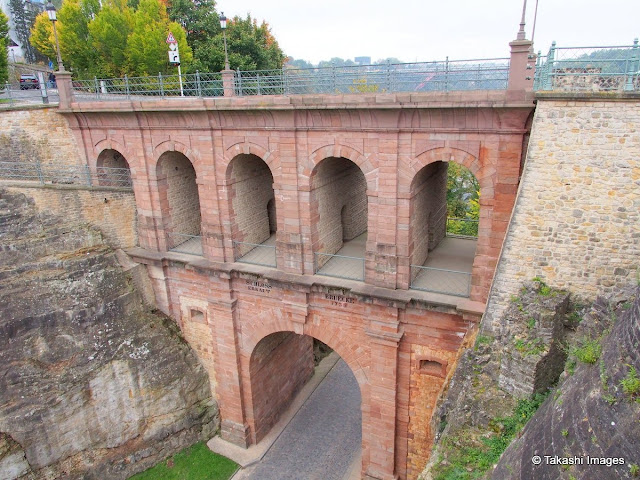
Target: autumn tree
point(109, 33)
point(24, 14)
point(73, 32)
point(4, 43)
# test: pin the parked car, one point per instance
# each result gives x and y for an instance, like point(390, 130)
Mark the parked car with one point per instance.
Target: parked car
point(29, 81)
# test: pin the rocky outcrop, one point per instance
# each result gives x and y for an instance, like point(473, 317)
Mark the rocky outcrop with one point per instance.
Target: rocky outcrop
point(592, 419)
point(92, 383)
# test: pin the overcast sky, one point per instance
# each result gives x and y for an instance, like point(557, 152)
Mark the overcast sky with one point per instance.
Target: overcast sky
point(422, 30)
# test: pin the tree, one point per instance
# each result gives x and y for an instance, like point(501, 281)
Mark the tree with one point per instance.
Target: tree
point(24, 15)
point(109, 33)
point(298, 63)
point(147, 47)
point(73, 32)
point(463, 200)
point(42, 36)
point(4, 43)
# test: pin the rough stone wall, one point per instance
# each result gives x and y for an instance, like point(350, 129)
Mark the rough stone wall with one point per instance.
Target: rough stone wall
point(428, 211)
point(576, 222)
point(280, 366)
point(337, 184)
point(111, 212)
point(182, 203)
point(41, 134)
point(251, 189)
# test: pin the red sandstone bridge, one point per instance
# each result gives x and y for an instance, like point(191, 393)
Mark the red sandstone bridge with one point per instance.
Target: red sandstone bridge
point(268, 220)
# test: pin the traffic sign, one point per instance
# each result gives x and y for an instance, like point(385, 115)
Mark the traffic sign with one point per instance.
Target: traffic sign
point(171, 38)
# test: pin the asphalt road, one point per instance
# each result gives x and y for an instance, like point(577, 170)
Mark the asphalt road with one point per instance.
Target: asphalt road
point(322, 440)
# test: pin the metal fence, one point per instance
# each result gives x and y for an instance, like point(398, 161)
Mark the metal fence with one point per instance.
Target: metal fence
point(439, 280)
point(13, 95)
point(184, 243)
point(489, 74)
point(254, 253)
point(66, 175)
point(339, 266)
point(160, 86)
point(589, 69)
point(454, 75)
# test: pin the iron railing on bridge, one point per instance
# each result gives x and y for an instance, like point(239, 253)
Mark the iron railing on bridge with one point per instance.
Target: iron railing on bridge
point(66, 175)
point(13, 94)
point(440, 280)
point(447, 75)
point(589, 69)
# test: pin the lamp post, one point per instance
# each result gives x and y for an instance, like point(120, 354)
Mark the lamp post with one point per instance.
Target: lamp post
point(51, 11)
point(223, 25)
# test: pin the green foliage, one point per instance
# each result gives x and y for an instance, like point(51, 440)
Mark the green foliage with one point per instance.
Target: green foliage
point(532, 347)
point(587, 350)
point(360, 85)
point(565, 432)
point(462, 190)
point(634, 470)
point(42, 37)
point(631, 383)
point(4, 43)
point(473, 461)
point(23, 15)
point(531, 323)
point(109, 32)
point(73, 32)
point(194, 463)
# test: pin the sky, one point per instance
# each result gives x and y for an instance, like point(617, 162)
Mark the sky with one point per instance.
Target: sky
point(424, 30)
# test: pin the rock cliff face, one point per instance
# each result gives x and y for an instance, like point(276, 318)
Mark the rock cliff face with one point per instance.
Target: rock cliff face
point(92, 383)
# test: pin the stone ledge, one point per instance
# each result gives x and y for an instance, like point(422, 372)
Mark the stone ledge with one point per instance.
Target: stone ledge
point(433, 301)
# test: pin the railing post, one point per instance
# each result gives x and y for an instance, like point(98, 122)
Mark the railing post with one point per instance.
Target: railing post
point(333, 77)
point(96, 85)
point(446, 74)
point(520, 81)
point(389, 76)
point(228, 83)
point(39, 172)
point(88, 173)
point(547, 82)
point(161, 84)
point(65, 89)
point(258, 77)
point(285, 83)
point(8, 89)
point(126, 85)
point(198, 84)
point(632, 67)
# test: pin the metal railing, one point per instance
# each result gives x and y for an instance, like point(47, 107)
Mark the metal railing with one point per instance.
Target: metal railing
point(185, 243)
point(447, 75)
point(439, 280)
point(255, 253)
point(161, 86)
point(339, 266)
point(66, 175)
point(462, 227)
point(589, 69)
point(13, 94)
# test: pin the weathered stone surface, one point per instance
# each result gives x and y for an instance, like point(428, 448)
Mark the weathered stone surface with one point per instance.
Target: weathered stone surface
point(590, 415)
point(91, 384)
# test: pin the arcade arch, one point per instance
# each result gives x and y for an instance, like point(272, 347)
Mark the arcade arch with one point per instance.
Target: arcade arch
point(113, 169)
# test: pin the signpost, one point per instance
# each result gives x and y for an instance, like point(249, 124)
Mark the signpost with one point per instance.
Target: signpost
point(174, 58)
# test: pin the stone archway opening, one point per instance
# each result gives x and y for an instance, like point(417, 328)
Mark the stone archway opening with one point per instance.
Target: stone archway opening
point(444, 216)
point(253, 210)
point(328, 421)
point(179, 203)
point(339, 212)
point(112, 169)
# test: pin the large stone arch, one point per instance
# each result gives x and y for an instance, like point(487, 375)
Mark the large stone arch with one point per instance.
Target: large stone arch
point(366, 165)
point(446, 154)
point(271, 158)
point(173, 146)
point(111, 144)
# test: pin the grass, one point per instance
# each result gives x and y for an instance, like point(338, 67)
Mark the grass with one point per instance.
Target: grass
point(193, 463)
point(588, 350)
point(532, 347)
point(467, 462)
point(631, 383)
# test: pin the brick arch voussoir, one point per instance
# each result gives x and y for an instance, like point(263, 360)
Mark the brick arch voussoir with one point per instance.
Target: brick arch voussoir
point(331, 336)
point(173, 146)
point(111, 144)
point(447, 154)
point(366, 165)
point(271, 158)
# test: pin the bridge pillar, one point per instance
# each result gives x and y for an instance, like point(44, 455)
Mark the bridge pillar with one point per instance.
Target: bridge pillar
point(384, 337)
point(228, 86)
point(521, 69)
point(234, 428)
point(65, 92)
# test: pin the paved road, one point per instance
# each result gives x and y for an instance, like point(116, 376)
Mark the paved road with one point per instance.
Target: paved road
point(322, 440)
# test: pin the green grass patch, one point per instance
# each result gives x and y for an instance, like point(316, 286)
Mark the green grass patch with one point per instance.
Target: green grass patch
point(468, 462)
point(587, 351)
point(631, 383)
point(531, 347)
point(194, 463)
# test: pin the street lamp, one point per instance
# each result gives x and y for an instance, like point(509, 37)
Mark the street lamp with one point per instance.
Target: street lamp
point(223, 26)
point(51, 11)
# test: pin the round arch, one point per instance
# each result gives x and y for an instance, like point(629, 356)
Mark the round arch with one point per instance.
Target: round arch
point(111, 144)
point(368, 168)
point(446, 154)
point(270, 158)
point(172, 146)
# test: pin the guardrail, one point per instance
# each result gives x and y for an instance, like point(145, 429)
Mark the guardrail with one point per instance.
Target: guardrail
point(66, 175)
point(439, 280)
point(589, 69)
point(462, 227)
point(339, 266)
point(185, 243)
point(12, 95)
point(255, 253)
point(447, 75)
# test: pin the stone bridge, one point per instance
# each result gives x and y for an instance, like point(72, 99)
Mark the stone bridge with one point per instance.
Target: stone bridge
point(244, 203)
